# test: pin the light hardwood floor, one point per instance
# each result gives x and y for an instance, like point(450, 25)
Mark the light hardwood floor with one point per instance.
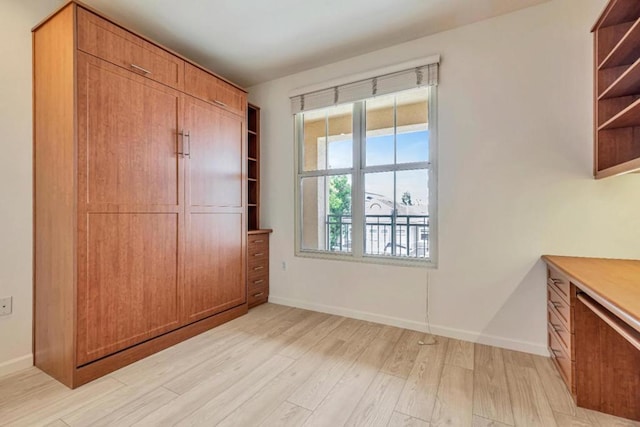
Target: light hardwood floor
point(281, 366)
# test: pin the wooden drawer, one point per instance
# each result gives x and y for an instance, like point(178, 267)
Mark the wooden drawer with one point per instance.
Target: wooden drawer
point(258, 269)
point(260, 259)
point(560, 282)
point(258, 282)
point(562, 307)
point(566, 339)
point(107, 41)
point(211, 89)
point(257, 297)
point(560, 358)
point(258, 239)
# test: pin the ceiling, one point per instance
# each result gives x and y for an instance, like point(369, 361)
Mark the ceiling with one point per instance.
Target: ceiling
point(253, 41)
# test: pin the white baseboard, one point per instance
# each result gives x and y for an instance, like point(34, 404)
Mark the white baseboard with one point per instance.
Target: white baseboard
point(476, 337)
point(15, 365)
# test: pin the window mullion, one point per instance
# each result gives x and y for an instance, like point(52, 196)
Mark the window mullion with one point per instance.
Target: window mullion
point(357, 194)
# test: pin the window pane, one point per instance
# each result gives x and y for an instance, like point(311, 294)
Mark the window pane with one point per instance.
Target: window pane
point(412, 135)
point(378, 210)
point(326, 213)
point(340, 139)
point(380, 134)
point(412, 220)
point(328, 138)
point(397, 213)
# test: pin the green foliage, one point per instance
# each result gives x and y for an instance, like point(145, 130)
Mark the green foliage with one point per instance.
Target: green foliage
point(339, 204)
point(339, 195)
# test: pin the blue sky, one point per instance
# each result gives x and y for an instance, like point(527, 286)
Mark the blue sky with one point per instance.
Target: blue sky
point(411, 147)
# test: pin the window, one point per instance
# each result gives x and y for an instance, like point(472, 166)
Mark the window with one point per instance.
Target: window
point(365, 179)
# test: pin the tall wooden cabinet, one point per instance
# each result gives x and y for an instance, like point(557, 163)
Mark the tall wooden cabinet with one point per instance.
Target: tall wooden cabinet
point(140, 197)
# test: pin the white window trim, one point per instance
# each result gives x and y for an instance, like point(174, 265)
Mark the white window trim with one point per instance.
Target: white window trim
point(357, 201)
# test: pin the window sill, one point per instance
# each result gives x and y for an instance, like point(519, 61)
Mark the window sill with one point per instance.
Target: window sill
point(381, 260)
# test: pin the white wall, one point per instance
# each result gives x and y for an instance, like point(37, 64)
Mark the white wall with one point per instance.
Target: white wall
point(17, 17)
point(515, 145)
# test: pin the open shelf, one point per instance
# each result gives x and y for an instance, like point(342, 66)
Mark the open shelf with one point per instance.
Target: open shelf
point(618, 12)
point(628, 117)
point(253, 167)
point(626, 51)
point(627, 84)
point(623, 168)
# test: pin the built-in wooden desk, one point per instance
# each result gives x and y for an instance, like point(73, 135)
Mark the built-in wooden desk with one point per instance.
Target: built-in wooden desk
point(593, 312)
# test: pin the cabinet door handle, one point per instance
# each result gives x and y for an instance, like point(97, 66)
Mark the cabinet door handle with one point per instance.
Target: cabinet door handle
point(186, 142)
point(258, 294)
point(144, 70)
point(259, 254)
point(220, 103)
point(187, 135)
point(181, 151)
point(257, 282)
point(258, 268)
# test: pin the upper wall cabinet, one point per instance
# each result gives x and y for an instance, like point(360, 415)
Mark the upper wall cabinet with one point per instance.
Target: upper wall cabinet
point(617, 89)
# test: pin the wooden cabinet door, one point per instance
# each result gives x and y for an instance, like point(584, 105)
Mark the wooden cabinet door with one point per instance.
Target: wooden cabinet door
point(130, 209)
point(215, 210)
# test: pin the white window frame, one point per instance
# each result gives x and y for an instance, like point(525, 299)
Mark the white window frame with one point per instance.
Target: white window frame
point(357, 195)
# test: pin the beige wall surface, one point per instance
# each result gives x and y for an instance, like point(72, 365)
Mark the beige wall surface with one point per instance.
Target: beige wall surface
point(514, 182)
point(17, 17)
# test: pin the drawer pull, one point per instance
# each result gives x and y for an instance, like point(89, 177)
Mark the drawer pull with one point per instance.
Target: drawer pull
point(552, 281)
point(257, 282)
point(258, 241)
point(258, 294)
point(220, 103)
point(259, 254)
point(260, 267)
point(144, 70)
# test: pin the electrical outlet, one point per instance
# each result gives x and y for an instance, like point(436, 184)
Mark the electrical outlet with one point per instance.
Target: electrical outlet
point(5, 306)
point(284, 265)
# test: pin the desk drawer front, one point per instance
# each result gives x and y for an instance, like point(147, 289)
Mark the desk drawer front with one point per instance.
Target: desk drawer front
point(562, 307)
point(556, 323)
point(561, 284)
point(561, 359)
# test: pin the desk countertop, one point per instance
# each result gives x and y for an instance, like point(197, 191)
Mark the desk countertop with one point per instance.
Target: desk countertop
point(614, 283)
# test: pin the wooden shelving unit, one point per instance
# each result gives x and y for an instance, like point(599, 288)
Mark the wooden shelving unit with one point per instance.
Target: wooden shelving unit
point(253, 166)
point(257, 239)
point(617, 89)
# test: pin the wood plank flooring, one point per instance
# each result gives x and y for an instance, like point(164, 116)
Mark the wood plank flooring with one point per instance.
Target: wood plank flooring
point(280, 366)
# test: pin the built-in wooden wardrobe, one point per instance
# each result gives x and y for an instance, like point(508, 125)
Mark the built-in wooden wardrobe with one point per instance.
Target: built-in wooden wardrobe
point(140, 197)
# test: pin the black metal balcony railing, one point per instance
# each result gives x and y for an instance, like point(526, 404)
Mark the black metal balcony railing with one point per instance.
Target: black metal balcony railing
point(399, 235)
